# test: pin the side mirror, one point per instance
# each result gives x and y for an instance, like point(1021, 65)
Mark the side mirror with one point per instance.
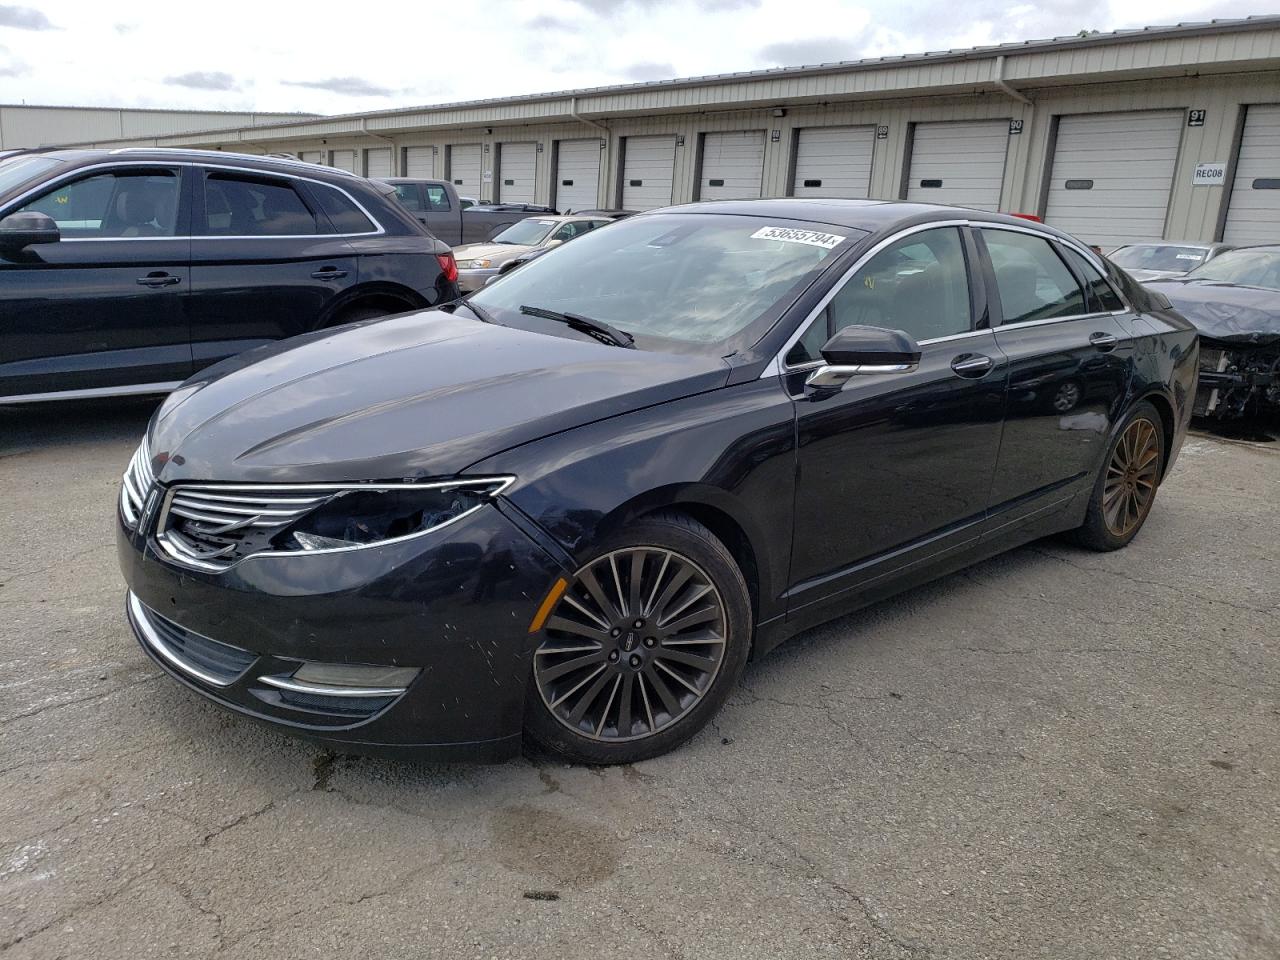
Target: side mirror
point(20, 230)
point(554, 243)
point(857, 350)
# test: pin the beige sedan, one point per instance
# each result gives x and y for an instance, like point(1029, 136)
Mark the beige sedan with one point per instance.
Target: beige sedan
point(477, 262)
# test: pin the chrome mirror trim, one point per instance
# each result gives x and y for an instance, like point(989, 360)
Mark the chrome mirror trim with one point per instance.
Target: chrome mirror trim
point(833, 377)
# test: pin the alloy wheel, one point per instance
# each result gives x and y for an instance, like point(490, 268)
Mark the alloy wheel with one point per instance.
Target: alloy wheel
point(1130, 484)
point(633, 644)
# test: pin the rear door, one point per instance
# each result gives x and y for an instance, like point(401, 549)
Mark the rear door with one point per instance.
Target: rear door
point(648, 171)
point(732, 165)
point(103, 309)
point(1071, 351)
point(268, 260)
point(833, 162)
point(517, 166)
point(465, 169)
point(960, 163)
point(895, 469)
point(1253, 214)
point(577, 177)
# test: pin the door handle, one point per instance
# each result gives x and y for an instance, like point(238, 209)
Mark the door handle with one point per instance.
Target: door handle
point(158, 278)
point(972, 365)
point(329, 273)
point(1103, 341)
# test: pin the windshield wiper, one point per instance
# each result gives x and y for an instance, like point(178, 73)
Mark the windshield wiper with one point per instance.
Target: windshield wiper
point(605, 332)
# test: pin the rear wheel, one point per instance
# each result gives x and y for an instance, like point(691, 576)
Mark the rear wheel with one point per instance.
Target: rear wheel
point(642, 647)
point(1126, 486)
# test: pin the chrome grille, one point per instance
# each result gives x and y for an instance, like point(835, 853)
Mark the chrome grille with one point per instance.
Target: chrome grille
point(211, 527)
point(135, 485)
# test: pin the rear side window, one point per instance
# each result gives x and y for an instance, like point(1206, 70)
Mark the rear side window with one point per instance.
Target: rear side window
point(238, 206)
point(345, 216)
point(437, 198)
point(128, 203)
point(1032, 281)
point(408, 194)
point(1102, 297)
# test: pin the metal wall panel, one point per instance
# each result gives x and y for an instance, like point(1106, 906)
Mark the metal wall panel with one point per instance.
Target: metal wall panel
point(960, 163)
point(518, 166)
point(833, 162)
point(1253, 215)
point(648, 172)
point(1112, 175)
point(577, 175)
point(732, 165)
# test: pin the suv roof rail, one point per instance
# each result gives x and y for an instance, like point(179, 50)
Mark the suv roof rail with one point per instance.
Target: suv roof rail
point(272, 157)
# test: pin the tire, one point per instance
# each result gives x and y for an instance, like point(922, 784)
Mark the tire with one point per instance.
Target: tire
point(606, 691)
point(1127, 481)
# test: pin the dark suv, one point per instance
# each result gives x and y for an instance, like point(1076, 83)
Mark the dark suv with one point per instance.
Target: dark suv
point(126, 271)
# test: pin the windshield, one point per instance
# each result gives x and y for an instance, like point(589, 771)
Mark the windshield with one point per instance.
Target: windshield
point(18, 170)
point(1250, 268)
point(529, 232)
point(695, 281)
point(1158, 256)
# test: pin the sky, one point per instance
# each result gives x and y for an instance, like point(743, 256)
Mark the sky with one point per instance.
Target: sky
point(328, 57)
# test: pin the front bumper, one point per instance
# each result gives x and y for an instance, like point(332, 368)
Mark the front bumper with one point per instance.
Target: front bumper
point(457, 605)
point(473, 279)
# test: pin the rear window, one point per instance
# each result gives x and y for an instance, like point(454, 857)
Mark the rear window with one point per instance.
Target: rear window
point(1158, 256)
point(343, 213)
point(241, 206)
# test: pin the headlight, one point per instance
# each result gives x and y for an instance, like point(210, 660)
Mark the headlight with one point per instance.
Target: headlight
point(475, 264)
point(362, 517)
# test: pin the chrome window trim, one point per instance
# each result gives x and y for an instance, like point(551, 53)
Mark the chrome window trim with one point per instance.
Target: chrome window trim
point(320, 690)
point(778, 365)
point(93, 392)
point(502, 482)
point(378, 230)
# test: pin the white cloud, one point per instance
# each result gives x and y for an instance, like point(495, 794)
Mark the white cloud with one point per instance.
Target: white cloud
point(319, 57)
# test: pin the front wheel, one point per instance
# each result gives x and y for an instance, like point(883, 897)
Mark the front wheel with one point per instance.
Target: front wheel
point(1126, 486)
point(642, 647)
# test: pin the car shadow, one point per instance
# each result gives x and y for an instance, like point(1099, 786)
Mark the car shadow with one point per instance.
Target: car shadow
point(33, 426)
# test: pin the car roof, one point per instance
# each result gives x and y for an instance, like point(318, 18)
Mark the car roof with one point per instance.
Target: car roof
point(279, 164)
point(874, 216)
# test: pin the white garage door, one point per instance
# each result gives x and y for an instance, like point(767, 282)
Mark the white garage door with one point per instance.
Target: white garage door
point(648, 167)
point(1254, 213)
point(1111, 175)
point(310, 156)
point(834, 162)
point(518, 163)
point(732, 165)
point(959, 163)
point(465, 169)
point(377, 162)
point(343, 160)
point(577, 175)
point(419, 163)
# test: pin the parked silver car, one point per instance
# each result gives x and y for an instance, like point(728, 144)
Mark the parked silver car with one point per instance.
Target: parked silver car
point(1158, 261)
point(477, 262)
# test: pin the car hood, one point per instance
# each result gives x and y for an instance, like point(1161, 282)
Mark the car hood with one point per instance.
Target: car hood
point(1227, 312)
point(497, 252)
point(418, 395)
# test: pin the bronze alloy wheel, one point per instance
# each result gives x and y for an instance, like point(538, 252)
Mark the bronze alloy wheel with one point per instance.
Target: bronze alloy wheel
point(633, 644)
point(1132, 472)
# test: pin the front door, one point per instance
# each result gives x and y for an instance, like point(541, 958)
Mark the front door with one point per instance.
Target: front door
point(103, 309)
point(267, 262)
point(895, 469)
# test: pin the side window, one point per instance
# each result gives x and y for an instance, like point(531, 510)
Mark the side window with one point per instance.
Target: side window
point(238, 206)
point(919, 285)
point(437, 198)
point(568, 231)
point(345, 216)
point(1031, 279)
point(126, 203)
point(408, 194)
point(1101, 296)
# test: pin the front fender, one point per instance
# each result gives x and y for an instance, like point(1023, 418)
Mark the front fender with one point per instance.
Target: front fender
point(731, 450)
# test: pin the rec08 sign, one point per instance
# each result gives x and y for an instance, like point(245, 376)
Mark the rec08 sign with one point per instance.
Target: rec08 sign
point(1209, 175)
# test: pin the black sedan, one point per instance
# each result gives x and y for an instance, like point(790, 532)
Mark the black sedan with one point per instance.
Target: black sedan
point(573, 506)
point(1234, 301)
point(126, 271)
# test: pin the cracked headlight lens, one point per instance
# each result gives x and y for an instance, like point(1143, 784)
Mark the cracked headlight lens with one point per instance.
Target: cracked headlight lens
point(363, 517)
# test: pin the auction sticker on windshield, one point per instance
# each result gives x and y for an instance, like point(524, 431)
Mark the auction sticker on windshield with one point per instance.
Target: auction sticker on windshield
point(788, 235)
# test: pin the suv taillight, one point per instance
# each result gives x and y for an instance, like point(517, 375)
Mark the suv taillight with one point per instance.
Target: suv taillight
point(449, 266)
